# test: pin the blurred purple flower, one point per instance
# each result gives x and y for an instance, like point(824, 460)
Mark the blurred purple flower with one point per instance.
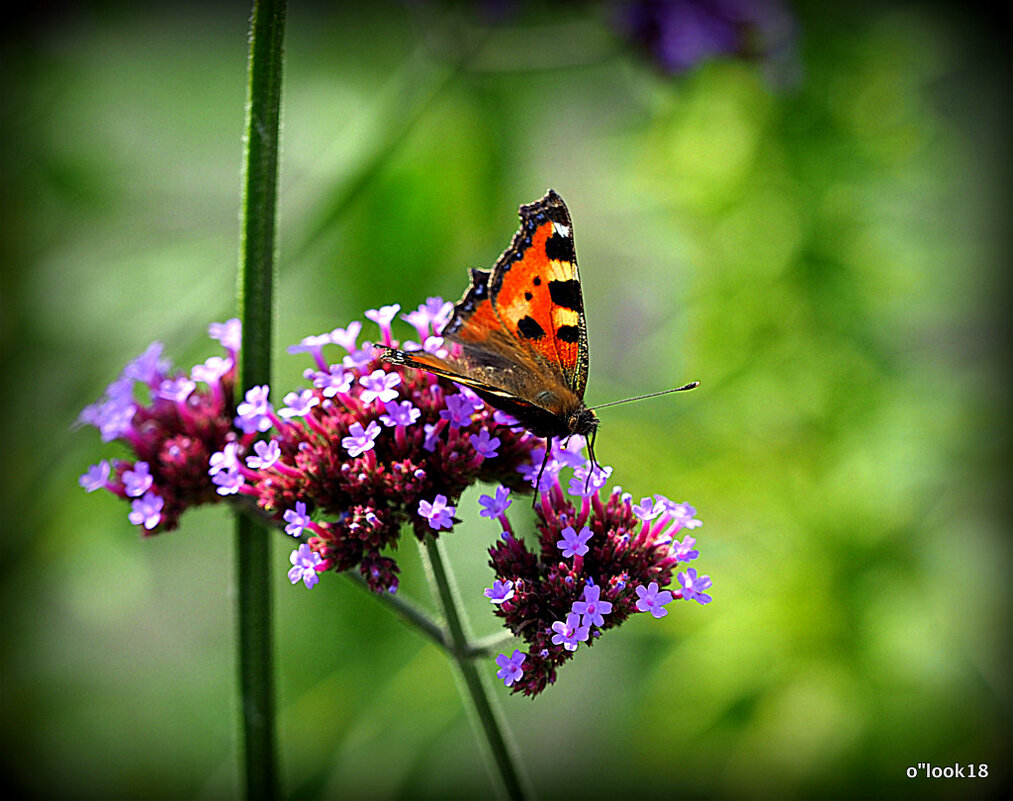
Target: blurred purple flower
point(680, 34)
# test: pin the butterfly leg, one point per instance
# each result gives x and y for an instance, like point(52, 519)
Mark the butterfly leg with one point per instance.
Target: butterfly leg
point(545, 461)
point(594, 462)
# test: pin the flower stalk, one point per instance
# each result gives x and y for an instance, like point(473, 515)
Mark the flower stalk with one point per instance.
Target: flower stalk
point(256, 281)
point(498, 747)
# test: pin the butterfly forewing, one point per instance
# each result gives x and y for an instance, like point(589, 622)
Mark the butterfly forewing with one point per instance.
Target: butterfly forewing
point(518, 336)
point(535, 292)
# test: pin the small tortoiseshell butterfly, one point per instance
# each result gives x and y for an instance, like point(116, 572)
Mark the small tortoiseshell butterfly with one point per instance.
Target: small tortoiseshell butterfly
point(518, 337)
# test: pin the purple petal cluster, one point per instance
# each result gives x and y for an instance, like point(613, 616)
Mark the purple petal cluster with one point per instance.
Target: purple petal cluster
point(375, 446)
point(173, 424)
point(595, 562)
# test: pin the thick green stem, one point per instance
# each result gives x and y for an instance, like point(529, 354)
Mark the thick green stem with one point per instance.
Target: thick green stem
point(499, 748)
point(256, 295)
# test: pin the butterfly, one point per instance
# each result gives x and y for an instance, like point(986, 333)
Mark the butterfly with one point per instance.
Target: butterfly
point(518, 336)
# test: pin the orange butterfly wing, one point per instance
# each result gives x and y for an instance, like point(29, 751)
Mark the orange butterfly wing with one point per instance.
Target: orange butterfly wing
point(535, 292)
point(518, 336)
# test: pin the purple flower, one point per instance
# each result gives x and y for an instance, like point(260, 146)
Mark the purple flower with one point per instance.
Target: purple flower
point(437, 513)
point(304, 566)
point(147, 510)
point(683, 551)
point(684, 515)
point(549, 474)
point(383, 317)
point(679, 34)
point(253, 413)
point(653, 601)
point(504, 419)
point(379, 385)
point(335, 381)
point(298, 404)
point(574, 544)
point(500, 592)
point(459, 410)
point(432, 434)
point(647, 509)
point(495, 506)
point(485, 444)
point(693, 587)
point(313, 345)
point(441, 310)
point(211, 370)
point(228, 482)
point(434, 345)
point(176, 389)
point(267, 453)
point(400, 414)
point(149, 367)
point(297, 520)
point(477, 404)
point(229, 333)
point(345, 337)
point(592, 608)
point(359, 359)
point(359, 439)
point(581, 486)
point(570, 633)
point(138, 480)
point(224, 460)
point(96, 477)
point(112, 416)
point(421, 320)
point(510, 667)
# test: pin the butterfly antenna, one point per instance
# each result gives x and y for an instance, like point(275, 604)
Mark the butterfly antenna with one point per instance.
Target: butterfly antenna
point(692, 385)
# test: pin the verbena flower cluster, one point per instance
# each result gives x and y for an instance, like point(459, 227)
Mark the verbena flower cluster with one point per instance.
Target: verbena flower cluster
point(368, 448)
point(594, 563)
point(173, 422)
point(371, 448)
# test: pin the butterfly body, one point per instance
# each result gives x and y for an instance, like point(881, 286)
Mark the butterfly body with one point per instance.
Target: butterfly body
point(518, 336)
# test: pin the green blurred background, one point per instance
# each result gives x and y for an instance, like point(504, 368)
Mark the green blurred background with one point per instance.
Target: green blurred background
point(820, 248)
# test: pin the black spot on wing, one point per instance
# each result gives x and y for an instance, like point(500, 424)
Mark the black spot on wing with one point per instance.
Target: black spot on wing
point(568, 333)
point(560, 248)
point(566, 294)
point(529, 328)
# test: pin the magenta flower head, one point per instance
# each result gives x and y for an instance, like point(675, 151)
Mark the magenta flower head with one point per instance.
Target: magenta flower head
point(172, 423)
point(389, 446)
point(590, 567)
point(345, 463)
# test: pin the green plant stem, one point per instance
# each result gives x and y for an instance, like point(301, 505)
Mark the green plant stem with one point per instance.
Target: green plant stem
point(499, 748)
point(255, 639)
point(407, 610)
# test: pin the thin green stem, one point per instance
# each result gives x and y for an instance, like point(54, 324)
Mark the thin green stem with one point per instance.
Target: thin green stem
point(499, 748)
point(407, 611)
point(490, 644)
point(403, 607)
point(255, 640)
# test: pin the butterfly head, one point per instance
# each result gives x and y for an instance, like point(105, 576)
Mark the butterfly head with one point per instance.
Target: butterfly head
point(583, 421)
